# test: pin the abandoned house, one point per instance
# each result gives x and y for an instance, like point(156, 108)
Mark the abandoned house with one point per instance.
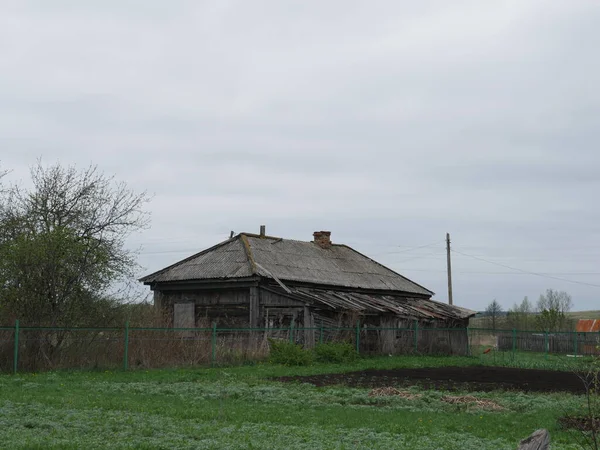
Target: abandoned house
point(260, 281)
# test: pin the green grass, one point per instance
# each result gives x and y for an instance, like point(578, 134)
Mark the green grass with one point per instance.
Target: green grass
point(531, 360)
point(239, 408)
point(576, 315)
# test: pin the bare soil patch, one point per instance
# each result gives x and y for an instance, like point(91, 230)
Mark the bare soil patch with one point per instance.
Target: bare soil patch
point(471, 379)
point(393, 392)
point(469, 400)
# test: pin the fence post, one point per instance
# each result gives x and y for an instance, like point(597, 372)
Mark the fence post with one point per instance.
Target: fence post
point(546, 344)
point(416, 335)
point(358, 337)
point(292, 332)
point(576, 343)
point(214, 344)
point(514, 343)
point(16, 354)
point(321, 333)
point(468, 341)
point(126, 349)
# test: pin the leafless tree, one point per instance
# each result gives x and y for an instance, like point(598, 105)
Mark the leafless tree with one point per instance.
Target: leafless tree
point(585, 424)
point(552, 309)
point(520, 315)
point(62, 244)
point(493, 312)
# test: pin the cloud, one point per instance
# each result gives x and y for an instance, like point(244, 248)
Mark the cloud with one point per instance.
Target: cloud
point(389, 122)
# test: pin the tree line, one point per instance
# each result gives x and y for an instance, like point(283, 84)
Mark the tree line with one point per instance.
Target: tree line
point(550, 313)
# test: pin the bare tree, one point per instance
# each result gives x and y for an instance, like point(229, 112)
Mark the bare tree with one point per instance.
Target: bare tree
point(493, 312)
point(62, 244)
point(520, 315)
point(552, 309)
point(585, 423)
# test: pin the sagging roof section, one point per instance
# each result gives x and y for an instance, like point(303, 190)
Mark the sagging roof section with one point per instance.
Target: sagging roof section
point(289, 260)
point(413, 308)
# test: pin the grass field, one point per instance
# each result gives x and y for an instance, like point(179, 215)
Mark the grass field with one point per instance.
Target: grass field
point(240, 408)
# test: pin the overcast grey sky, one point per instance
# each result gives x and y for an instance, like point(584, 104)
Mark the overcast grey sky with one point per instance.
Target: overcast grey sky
point(387, 122)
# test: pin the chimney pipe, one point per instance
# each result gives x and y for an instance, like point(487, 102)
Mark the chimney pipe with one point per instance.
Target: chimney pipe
point(322, 238)
point(263, 231)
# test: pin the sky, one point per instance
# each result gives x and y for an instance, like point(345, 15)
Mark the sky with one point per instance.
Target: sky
point(389, 123)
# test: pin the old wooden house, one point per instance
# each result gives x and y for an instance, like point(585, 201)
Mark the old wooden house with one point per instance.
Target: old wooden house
point(260, 281)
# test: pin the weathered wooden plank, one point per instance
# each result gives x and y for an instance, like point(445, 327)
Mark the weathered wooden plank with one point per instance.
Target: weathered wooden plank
point(254, 307)
point(184, 315)
point(539, 440)
point(309, 335)
point(158, 300)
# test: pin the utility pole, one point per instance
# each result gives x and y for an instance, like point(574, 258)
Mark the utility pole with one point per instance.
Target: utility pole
point(449, 268)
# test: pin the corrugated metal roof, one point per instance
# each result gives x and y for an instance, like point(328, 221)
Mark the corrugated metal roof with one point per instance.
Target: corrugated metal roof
point(337, 265)
point(414, 308)
point(288, 260)
point(226, 260)
point(588, 325)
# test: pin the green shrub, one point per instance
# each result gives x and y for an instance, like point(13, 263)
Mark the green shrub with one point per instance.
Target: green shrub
point(289, 354)
point(335, 352)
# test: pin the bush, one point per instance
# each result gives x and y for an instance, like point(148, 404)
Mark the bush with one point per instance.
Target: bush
point(335, 352)
point(289, 354)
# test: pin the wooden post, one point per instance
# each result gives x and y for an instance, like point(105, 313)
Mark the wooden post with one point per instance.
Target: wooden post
point(416, 335)
point(309, 331)
point(468, 342)
point(449, 264)
point(358, 337)
point(514, 343)
point(321, 333)
point(214, 344)
point(16, 353)
point(126, 349)
point(254, 307)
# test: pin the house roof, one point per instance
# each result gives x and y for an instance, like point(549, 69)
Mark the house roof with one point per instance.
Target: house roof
point(588, 325)
point(413, 308)
point(248, 255)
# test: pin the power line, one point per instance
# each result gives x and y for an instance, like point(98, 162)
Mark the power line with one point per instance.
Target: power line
point(408, 249)
point(478, 272)
point(526, 271)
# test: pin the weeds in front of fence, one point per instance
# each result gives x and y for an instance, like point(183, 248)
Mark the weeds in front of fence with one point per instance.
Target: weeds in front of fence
point(44, 348)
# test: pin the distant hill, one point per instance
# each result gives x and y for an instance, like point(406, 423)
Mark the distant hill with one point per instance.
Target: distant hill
point(595, 314)
point(480, 321)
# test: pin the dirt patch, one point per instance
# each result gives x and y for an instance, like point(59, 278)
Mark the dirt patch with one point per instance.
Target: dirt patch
point(580, 423)
point(470, 379)
point(469, 400)
point(392, 392)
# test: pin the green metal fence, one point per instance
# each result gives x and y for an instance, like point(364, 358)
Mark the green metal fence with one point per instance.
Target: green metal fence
point(24, 348)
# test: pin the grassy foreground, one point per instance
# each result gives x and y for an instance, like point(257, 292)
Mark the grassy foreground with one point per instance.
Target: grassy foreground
point(239, 408)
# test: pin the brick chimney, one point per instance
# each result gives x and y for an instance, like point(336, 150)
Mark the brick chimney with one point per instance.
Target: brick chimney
point(322, 238)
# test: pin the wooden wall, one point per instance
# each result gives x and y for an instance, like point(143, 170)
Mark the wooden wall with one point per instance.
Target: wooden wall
point(260, 307)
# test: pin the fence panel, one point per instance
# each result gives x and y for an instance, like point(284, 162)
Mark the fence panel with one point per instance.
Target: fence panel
point(67, 348)
point(109, 348)
point(237, 346)
point(164, 347)
point(7, 346)
point(387, 341)
point(443, 341)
